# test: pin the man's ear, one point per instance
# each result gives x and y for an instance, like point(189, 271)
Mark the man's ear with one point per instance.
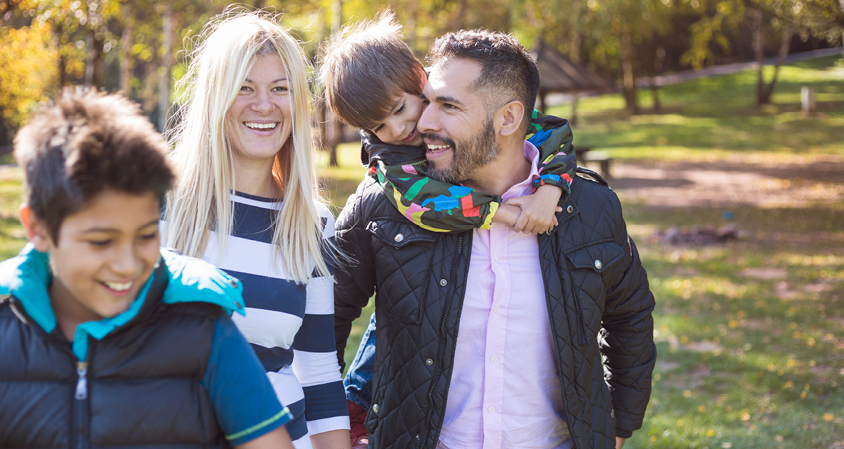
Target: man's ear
point(508, 118)
point(36, 232)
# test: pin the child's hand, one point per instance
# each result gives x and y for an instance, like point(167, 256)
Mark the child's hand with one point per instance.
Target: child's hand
point(538, 210)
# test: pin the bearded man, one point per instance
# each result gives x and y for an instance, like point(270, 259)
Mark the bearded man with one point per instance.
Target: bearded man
point(492, 338)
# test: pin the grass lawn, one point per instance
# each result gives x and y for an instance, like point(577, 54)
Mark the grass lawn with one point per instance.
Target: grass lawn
point(750, 333)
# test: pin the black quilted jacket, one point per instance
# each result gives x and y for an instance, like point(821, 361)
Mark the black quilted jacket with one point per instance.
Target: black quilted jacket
point(598, 303)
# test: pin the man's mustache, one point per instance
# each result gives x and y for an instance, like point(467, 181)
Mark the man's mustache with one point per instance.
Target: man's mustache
point(438, 139)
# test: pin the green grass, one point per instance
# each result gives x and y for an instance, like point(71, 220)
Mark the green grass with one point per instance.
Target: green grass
point(717, 116)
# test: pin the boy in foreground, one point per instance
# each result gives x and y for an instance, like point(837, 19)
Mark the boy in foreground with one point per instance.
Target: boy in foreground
point(106, 340)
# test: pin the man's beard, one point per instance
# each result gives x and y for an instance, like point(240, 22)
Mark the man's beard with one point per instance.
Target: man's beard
point(467, 157)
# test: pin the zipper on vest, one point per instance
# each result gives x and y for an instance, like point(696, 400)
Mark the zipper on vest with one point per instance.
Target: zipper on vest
point(80, 406)
point(82, 383)
point(443, 337)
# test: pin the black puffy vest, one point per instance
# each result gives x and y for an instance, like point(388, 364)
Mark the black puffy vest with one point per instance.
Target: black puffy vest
point(141, 385)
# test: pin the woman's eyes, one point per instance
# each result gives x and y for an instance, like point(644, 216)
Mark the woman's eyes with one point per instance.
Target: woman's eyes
point(400, 109)
point(280, 89)
point(378, 128)
point(149, 236)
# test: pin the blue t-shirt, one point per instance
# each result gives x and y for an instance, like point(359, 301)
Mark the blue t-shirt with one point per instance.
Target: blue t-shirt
point(242, 396)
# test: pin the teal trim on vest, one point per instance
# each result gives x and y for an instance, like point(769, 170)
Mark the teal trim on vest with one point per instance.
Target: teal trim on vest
point(195, 280)
point(28, 277)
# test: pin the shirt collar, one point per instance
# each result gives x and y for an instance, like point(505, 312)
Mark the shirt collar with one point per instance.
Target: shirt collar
point(525, 187)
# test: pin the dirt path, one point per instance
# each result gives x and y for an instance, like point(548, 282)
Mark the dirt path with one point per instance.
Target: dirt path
point(732, 183)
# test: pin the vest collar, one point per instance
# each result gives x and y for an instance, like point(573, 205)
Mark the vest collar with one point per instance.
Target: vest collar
point(28, 278)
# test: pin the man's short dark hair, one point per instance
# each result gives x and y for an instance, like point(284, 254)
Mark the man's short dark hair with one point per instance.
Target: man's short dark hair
point(507, 71)
point(83, 143)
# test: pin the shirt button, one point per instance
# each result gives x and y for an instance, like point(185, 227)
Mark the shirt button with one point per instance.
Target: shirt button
point(599, 264)
point(443, 282)
point(494, 260)
point(495, 309)
point(493, 360)
point(491, 409)
point(429, 362)
point(399, 237)
point(375, 408)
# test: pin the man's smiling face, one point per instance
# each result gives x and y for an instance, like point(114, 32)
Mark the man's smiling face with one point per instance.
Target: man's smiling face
point(456, 126)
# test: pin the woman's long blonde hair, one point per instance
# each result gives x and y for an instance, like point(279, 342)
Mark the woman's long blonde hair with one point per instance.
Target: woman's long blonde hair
point(203, 154)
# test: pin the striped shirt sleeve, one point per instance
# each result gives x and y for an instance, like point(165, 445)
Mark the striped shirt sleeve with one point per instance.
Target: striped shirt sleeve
point(315, 359)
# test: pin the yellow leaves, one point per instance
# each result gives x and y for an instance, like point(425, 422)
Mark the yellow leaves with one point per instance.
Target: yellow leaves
point(701, 408)
point(788, 385)
point(745, 415)
point(828, 417)
point(687, 393)
point(29, 71)
point(710, 433)
point(791, 363)
point(733, 324)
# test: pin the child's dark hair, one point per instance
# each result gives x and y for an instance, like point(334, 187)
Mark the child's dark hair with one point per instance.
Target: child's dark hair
point(82, 144)
point(365, 67)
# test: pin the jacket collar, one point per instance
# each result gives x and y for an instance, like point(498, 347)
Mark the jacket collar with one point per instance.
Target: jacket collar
point(372, 149)
point(27, 277)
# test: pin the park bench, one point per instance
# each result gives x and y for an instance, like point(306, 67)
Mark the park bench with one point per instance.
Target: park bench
point(585, 155)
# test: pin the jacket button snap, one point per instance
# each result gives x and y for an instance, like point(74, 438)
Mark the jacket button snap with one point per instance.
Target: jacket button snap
point(399, 237)
point(598, 264)
point(570, 209)
point(443, 282)
point(375, 408)
point(429, 362)
point(417, 436)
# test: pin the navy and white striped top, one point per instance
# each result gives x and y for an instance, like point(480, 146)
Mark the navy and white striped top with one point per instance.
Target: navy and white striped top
point(290, 326)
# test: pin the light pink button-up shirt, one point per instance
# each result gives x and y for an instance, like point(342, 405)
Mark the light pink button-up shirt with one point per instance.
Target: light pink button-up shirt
point(505, 389)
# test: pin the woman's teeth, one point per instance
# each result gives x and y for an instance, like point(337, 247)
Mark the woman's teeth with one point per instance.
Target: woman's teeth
point(260, 125)
point(118, 286)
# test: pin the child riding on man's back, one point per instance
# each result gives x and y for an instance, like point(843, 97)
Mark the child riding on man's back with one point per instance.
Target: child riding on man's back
point(373, 81)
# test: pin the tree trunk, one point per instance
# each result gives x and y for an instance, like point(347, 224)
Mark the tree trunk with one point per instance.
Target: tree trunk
point(627, 71)
point(576, 33)
point(758, 42)
point(784, 46)
point(126, 51)
point(166, 67)
point(62, 62)
point(410, 24)
point(336, 23)
point(94, 62)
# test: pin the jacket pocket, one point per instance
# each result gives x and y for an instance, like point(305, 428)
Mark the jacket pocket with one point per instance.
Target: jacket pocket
point(587, 267)
point(403, 257)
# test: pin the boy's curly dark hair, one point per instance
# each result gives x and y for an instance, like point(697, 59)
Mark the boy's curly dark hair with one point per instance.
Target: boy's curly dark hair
point(507, 71)
point(83, 143)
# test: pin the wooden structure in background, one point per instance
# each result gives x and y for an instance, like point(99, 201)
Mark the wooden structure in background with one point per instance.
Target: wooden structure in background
point(559, 74)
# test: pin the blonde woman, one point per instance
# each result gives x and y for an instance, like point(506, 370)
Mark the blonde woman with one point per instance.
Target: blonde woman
point(246, 200)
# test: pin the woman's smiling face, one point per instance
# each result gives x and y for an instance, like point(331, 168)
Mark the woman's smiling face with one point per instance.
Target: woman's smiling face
point(259, 122)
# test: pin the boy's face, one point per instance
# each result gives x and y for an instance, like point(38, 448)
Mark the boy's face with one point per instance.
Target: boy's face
point(105, 254)
point(399, 127)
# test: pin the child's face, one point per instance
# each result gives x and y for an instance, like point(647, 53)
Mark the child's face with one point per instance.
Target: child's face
point(399, 127)
point(105, 255)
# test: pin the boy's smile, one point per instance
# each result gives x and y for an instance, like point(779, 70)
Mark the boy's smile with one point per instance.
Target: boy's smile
point(104, 255)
